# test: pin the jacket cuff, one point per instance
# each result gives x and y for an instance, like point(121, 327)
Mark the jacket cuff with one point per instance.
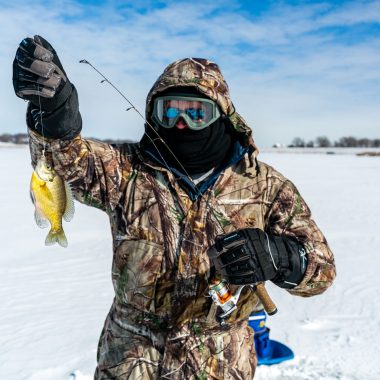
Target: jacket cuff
point(292, 262)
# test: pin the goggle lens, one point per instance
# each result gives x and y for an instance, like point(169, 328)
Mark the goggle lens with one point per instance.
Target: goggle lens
point(194, 113)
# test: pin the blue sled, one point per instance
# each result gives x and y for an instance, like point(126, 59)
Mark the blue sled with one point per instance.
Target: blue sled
point(268, 351)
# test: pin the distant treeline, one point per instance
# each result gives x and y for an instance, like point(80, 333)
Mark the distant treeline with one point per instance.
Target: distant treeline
point(22, 138)
point(298, 142)
point(18, 138)
point(343, 142)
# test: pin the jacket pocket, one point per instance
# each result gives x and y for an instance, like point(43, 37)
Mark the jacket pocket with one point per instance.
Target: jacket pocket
point(136, 269)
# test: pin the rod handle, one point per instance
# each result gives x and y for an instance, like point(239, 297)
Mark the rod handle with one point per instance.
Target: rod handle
point(269, 306)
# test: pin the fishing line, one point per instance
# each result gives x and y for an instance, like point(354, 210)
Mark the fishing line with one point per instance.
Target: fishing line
point(42, 125)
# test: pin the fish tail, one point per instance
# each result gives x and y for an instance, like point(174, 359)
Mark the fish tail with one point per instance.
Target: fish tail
point(56, 237)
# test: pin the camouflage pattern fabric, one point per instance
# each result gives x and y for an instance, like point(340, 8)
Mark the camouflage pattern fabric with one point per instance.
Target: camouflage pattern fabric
point(163, 324)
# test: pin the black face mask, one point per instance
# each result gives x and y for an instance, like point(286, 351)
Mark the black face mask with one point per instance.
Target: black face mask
point(196, 151)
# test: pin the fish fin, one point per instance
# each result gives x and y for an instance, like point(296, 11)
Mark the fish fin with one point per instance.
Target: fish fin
point(56, 237)
point(70, 208)
point(40, 220)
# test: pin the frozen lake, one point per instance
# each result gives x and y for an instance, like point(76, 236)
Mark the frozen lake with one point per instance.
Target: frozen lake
point(54, 300)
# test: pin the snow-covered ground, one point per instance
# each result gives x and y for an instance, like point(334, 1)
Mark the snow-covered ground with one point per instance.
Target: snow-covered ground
point(53, 301)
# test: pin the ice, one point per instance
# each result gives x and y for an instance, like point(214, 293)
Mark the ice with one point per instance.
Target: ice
point(54, 300)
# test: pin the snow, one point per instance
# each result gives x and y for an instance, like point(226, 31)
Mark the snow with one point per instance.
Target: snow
point(54, 300)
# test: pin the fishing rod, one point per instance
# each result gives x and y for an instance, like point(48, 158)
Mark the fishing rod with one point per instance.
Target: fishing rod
point(132, 107)
point(219, 290)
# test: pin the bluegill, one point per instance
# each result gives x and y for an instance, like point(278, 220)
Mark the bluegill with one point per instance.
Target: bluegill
point(53, 201)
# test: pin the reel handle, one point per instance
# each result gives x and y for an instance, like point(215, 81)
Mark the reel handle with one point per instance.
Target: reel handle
point(269, 306)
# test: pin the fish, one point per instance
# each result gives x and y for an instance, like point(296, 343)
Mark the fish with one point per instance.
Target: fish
point(53, 200)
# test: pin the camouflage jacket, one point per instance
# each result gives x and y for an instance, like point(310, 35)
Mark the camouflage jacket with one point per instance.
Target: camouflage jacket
point(160, 270)
point(160, 236)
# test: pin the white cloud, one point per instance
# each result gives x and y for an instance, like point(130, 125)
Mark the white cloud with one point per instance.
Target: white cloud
point(289, 73)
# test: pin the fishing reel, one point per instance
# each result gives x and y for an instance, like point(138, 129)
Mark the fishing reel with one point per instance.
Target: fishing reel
point(231, 248)
point(222, 295)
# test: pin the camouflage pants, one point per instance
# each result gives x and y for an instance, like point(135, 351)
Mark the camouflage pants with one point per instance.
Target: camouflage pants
point(134, 352)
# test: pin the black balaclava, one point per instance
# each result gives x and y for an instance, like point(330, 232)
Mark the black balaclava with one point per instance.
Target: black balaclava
point(197, 151)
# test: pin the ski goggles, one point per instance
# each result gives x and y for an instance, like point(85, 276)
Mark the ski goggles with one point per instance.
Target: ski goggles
point(198, 113)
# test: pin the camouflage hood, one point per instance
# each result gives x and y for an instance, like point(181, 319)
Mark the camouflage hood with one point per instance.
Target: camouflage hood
point(207, 78)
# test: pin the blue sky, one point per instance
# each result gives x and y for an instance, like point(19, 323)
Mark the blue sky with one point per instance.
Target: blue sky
point(295, 68)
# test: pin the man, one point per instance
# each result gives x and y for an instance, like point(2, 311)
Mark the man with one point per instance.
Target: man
point(191, 189)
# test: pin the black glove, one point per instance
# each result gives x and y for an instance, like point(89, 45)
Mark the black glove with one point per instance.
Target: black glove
point(250, 256)
point(38, 74)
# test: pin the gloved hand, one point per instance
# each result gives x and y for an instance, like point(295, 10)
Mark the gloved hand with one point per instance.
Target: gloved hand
point(38, 74)
point(250, 256)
